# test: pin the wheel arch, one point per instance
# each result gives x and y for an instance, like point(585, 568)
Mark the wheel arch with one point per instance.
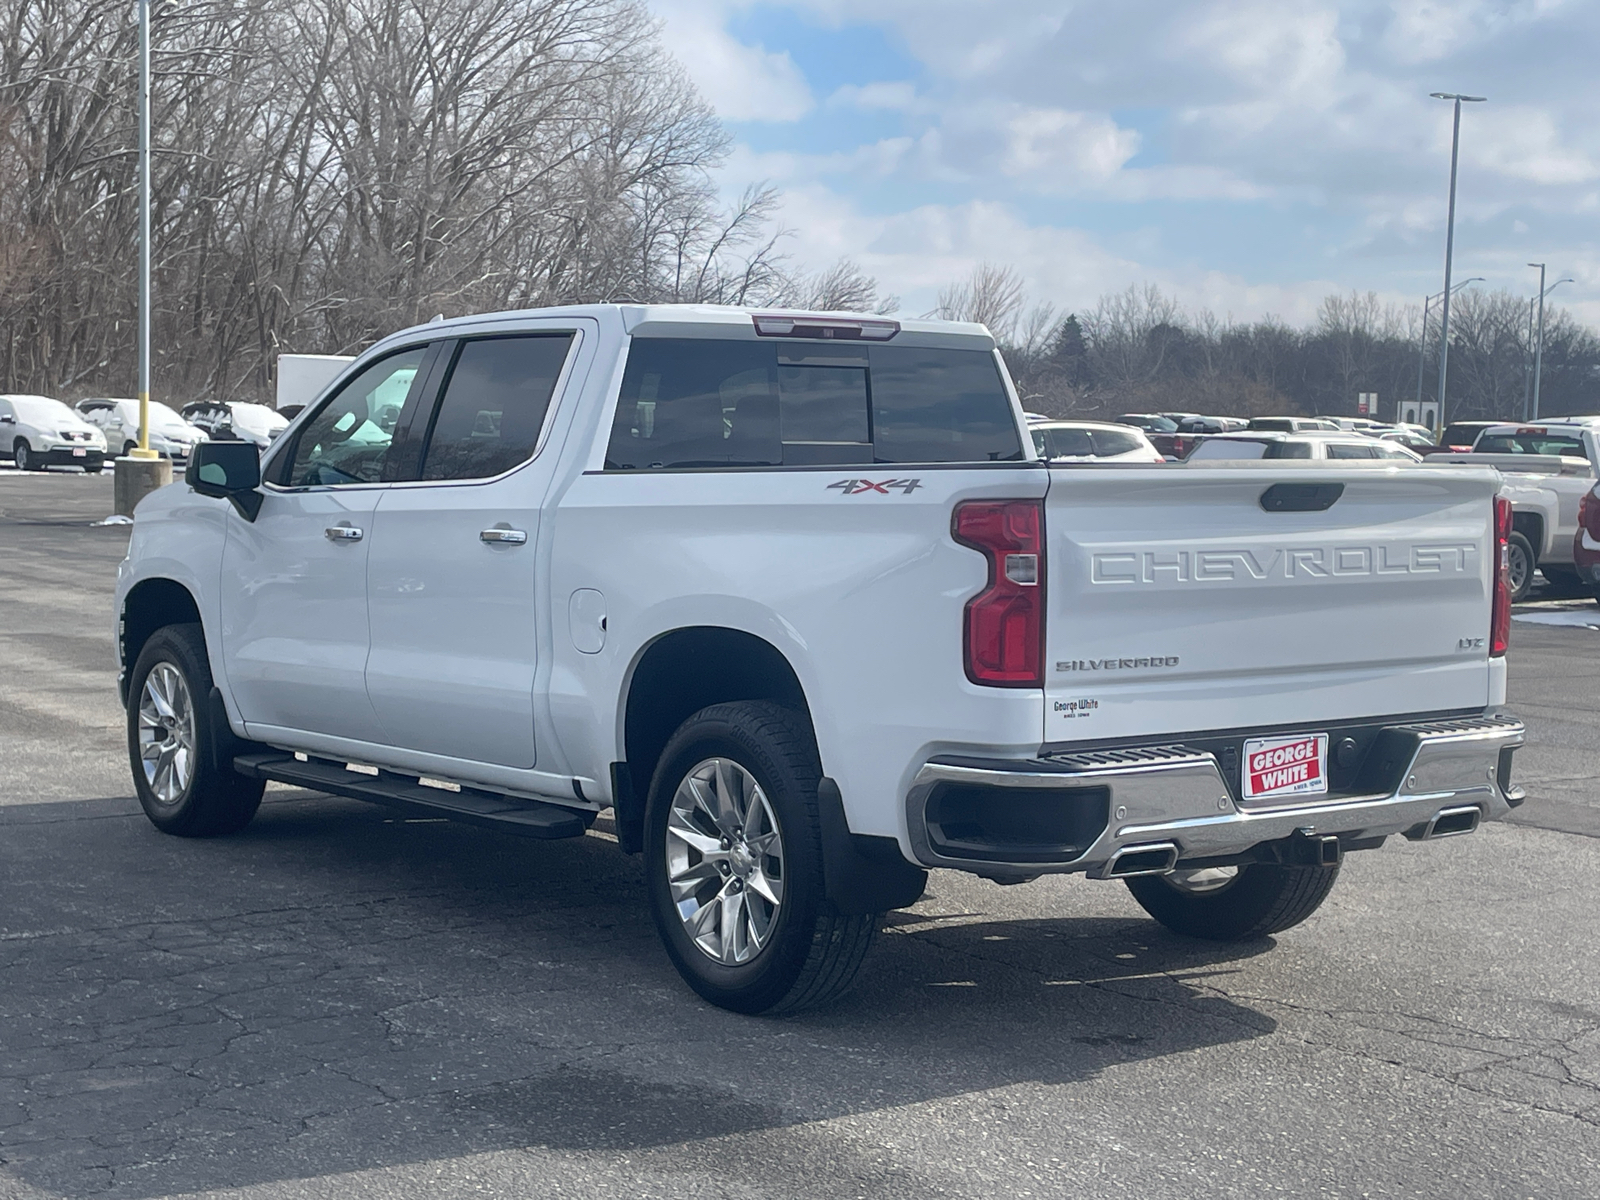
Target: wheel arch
point(149, 605)
point(675, 676)
point(1531, 525)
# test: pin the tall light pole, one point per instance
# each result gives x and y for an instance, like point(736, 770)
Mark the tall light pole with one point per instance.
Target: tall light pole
point(1538, 351)
point(1422, 341)
point(143, 450)
point(143, 470)
point(1450, 238)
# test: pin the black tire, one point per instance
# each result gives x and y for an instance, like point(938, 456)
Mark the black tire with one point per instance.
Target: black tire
point(22, 456)
point(1263, 898)
point(1521, 564)
point(812, 952)
point(128, 448)
point(215, 799)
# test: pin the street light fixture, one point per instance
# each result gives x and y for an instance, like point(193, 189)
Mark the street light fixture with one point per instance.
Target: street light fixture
point(1538, 352)
point(1422, 339)
point(1450, 236)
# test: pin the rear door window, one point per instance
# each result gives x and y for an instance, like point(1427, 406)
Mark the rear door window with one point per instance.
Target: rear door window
point(1290, 450)
point(496, 394)
point(693, 403)
point(1069, 443)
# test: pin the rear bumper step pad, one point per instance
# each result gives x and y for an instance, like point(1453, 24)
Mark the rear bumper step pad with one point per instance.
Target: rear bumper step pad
point(526, 818)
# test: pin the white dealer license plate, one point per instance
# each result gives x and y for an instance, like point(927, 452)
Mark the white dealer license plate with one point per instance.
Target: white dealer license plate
point(1285, 766)
point(79, 452)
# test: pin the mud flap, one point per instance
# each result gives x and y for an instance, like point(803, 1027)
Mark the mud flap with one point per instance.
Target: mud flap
point(862, 874)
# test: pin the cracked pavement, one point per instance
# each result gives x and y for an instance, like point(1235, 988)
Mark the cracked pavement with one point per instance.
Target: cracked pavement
point(341, 1003)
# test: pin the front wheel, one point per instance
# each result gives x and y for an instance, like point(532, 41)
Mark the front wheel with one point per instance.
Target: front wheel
point(1234, 904)
point(22, 455)
point(733, 859)
point(1520, 564)
point(183, 789)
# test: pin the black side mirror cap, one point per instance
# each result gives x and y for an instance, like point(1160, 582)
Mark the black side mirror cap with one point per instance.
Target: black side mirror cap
point(228, 471)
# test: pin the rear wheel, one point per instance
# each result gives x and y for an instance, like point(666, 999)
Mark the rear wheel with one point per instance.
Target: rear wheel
point(733, 852)
point(1232, 904)
point(182, 787)
point(1520, 565)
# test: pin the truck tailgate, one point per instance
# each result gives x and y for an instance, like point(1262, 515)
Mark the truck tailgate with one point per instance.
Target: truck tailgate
point(1178, 603)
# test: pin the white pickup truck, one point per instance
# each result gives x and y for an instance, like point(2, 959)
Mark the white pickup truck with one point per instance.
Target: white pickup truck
point(1548, 467)
point(793, 597)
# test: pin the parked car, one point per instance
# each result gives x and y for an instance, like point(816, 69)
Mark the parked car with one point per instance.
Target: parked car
point(1092, 441)
point(1313, 446)
point(170, 435)
point(1162, 432)
point(1548, 469)
point(1458, 436)
point(1292, 425)
point(1149, 422)
point(254, 423)
point(1357, 424)
point(1417, 443)
point(792, 597)
point(40, 432)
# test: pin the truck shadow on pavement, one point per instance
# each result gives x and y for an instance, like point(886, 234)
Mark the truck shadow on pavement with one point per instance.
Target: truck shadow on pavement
point(338, 990)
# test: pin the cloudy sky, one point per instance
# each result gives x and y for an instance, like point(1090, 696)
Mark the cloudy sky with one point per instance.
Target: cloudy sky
point(1250, 157)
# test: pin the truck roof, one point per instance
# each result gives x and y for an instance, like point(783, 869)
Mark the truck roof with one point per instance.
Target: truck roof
point(740, 323)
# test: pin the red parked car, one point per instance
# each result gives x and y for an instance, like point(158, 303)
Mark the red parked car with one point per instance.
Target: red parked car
point(1586, 542)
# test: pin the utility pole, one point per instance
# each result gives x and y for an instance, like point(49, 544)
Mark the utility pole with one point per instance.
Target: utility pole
point(1422, 341)
point(1450, 239)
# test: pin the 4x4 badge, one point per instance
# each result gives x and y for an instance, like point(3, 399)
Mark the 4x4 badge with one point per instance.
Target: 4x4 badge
point(857, 487)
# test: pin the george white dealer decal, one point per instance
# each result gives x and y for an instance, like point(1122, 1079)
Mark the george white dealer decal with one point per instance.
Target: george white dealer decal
point(1289, 562)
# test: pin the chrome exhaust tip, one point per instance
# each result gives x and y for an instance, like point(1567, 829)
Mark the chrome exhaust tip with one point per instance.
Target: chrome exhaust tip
point(1448, 822)
point(1153, 858)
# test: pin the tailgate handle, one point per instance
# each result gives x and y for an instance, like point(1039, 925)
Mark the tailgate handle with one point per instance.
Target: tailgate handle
point(1301, 497)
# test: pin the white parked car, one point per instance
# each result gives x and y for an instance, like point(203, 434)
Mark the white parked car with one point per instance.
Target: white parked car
point(39, 432)
point(793, 597)
point(254, 423)
point(170, 435)
point(1310, 446)
point(1091, 441)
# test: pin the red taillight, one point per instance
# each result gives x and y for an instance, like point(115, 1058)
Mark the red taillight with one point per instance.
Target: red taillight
point(1004, 636)
point(1500, 620)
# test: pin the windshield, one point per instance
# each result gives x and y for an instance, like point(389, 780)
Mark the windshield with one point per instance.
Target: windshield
point(41, 410)
point(1528, 443)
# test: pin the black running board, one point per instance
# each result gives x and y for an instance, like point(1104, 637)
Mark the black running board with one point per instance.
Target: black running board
point(526, 818)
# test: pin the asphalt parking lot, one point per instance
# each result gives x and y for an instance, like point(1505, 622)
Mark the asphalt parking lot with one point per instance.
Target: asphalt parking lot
point(336, 1003)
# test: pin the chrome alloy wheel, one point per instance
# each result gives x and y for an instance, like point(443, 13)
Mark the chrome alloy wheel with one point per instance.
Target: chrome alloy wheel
point(724, 861)
point(1202, 880)
point(166, 732)
point(1518, 568)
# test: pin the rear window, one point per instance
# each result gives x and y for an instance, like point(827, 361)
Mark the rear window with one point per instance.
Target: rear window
point(696, 402)
point(1459, 435)
point(1529, 443)
point(1111, 441)
point(1067, 443)
point(1272, 424)
point(1351, 450)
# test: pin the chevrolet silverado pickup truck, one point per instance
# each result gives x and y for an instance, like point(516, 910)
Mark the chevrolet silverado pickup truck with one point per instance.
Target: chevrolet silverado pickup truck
point(792, 597)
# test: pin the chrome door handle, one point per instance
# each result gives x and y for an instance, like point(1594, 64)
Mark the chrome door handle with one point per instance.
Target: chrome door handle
point(342, 533)
point(505, 537)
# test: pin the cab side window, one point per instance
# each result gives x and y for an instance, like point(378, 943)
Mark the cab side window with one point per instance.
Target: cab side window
point(348, 441)
point(495, 399)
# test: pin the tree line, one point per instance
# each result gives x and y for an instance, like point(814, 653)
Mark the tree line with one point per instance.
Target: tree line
point(1140, 351)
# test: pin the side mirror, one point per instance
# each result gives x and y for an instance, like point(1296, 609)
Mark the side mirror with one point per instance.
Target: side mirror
point(228, 471)
point(7, 419)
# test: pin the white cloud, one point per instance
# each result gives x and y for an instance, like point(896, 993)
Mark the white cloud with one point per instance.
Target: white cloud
point(742, 82)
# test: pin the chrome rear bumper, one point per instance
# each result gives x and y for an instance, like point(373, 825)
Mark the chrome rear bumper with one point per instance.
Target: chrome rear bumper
point(1433, 773)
